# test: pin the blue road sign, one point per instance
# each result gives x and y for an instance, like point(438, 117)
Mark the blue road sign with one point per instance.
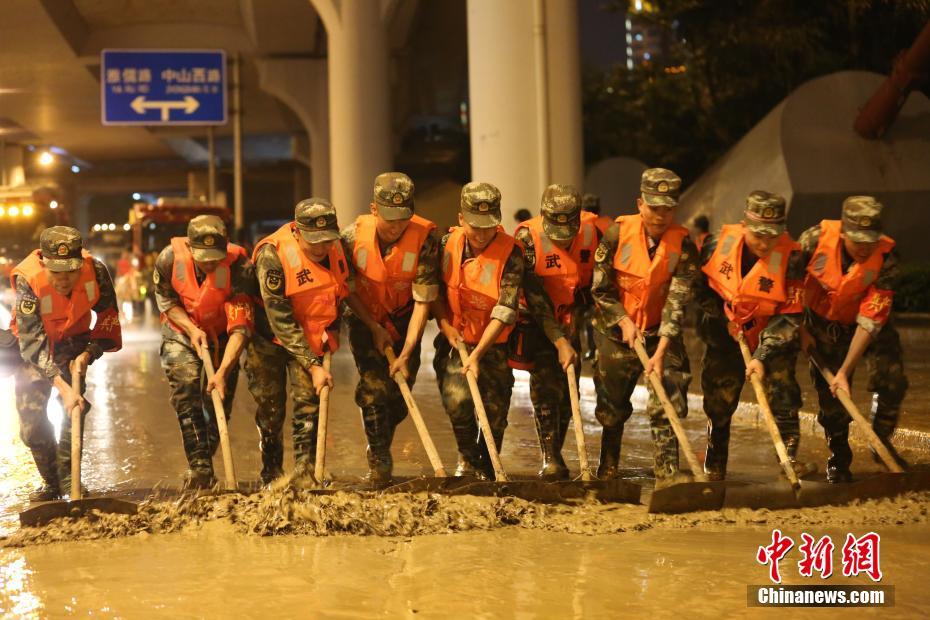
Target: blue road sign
point(163, 87)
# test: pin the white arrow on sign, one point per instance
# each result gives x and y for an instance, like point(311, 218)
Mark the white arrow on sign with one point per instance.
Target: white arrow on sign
point(140, 105)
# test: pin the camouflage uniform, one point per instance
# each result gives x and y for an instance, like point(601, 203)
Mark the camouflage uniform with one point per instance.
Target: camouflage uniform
point(187, 380)
point(548, 380)
point(585, 316)
point(377, 394)
point(42, 362)
point(617, 367)
point(724, 371)
point(884, 357)
point(495, 379)
point(269, 365)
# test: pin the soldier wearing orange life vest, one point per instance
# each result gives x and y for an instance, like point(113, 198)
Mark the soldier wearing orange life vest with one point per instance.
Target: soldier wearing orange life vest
point(752, 284)
point(482, 271)
point(204, 287)
point(304, 276)
point(57, 287)
point(592, 204)
point(558, 250)
point(644, 270)
point(848, 294)
point(394, 253)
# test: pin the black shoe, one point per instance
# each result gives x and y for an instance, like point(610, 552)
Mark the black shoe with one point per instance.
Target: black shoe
point(838, 475)
point(465, 469)
point(45, 493)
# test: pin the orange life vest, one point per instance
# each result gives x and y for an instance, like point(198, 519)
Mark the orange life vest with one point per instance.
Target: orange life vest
point(63, 317)
point(385, 284)
point(838, 296)
point(643, 282)
point(473, 286)
point(315, 291)
point(564, 271)
point(204, 303)
point(752, 301)
point(602, 222)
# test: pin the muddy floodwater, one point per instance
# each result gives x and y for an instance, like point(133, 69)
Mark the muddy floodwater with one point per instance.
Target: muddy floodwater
point(277, 555)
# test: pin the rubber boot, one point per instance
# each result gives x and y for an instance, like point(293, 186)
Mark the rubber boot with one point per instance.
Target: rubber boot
point(840, 458)
point(609, 465)
point(379, 431)
point(718, 450)
point(198, 479)
point(272, 450)
point(50, 488)
point(547, 429)
point(471, 462)
point(666, 457)
point(801, 469)
point(304, 477)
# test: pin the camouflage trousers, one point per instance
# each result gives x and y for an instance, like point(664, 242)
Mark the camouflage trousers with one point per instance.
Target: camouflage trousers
point(268, 367)
point(377, 394)
point(187, 382)
point(722, 381)
point(552, 405)
point(884, 365)
point(495, 382)
point(617, 371)
point(33, 389)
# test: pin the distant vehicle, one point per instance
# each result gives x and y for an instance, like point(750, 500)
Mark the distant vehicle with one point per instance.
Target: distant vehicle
point(153, 225)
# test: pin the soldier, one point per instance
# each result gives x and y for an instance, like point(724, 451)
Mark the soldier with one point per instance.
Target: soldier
point(700, 229)
point(303, 276)
point(394, 253)
point(558, 251)
point(644, 270)
point(851, 271)
point(57, 287)
point(753, 280)
point(482, 268)
point(203, 288)
point(592, 204)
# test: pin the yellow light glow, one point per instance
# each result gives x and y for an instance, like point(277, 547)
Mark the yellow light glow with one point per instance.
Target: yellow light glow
point(2, 211)
point(46, 158)
point(27, 210)
point(13, 211)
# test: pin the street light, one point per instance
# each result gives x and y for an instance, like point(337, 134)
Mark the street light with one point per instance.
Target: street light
point(53, 204)
point(13, 211)
point(136, 196)
point(27, 210)
point(46, 158)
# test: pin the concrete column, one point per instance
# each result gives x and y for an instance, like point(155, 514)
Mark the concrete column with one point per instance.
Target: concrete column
point(506, 140)
point(12, 173)
point(359, 100)
point(302, 85)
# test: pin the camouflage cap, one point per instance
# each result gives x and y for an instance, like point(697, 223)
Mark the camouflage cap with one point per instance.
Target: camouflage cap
point(591, 202)
point(765, 213)
point(207, 237)
point(862, 219)
point(316, 220)
point(61, 248)
point(561, 211)
point(660, 187)
point(394, 196)
point(481, 205)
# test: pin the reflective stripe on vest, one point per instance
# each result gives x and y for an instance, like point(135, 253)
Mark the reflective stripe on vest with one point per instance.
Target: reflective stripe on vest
point(315, 292)
point(63, 317)
point(828, 291)
point(751, 301)
point(386, 284)
point(473, 286)
point(642, 282)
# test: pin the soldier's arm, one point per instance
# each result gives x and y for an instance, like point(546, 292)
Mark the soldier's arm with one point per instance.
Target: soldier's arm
point(270, 275)
point(808, 242)
point(107, 334)
point(439, 307)
point(680, 290)
point(34, 345)
point(609, 308)
point(538, 304)
point(875, 308)
point(165, 295)
point(783, 329)
point(425, 290)
point(707, 301)
point(240, 314)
